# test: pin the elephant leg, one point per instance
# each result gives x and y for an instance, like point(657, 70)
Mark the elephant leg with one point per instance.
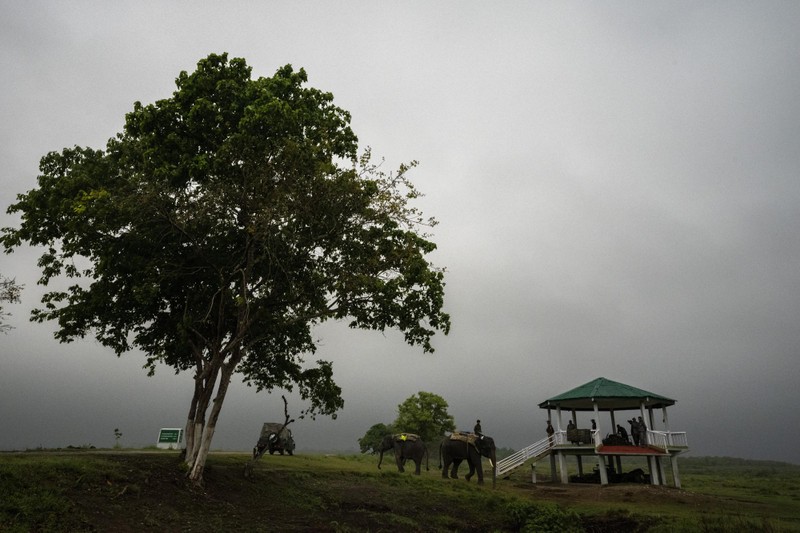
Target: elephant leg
point(471, 472)
point(454, 470)
point(479, 468)
point(446, 462)
point(399, 460)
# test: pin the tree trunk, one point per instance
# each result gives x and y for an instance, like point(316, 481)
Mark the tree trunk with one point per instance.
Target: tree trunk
point(203, 445)
point(204, 389)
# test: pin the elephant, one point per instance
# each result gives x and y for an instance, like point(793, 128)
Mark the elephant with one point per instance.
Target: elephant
point(405, 446)
point(469, 446)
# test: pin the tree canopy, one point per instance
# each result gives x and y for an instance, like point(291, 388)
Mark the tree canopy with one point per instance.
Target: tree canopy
point(219, 227)
point(425, 414)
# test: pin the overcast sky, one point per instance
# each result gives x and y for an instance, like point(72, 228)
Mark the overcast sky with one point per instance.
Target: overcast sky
point(616, 184)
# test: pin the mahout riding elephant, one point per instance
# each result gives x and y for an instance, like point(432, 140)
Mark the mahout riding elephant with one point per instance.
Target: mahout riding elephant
point(406, 446)
point(469, 446)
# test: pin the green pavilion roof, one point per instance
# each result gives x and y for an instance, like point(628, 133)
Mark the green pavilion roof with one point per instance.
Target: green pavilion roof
point(608, 395)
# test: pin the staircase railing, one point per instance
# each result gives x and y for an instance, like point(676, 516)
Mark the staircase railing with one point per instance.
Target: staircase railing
point(667, 440)
point(517, 459)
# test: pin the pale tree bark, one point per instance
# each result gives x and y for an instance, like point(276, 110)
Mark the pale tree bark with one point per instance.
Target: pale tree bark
point(206, 431)
point(195, 426)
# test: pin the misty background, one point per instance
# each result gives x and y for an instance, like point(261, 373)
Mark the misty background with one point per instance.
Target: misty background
point(616, 184)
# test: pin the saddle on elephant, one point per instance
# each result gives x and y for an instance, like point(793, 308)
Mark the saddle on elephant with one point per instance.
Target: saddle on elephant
point(406, 437)
point(465, 436)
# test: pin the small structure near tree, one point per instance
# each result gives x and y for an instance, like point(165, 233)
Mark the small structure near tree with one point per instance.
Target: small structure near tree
point(275, 437)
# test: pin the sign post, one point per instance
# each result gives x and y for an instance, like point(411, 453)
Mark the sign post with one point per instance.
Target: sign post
point(170, 438)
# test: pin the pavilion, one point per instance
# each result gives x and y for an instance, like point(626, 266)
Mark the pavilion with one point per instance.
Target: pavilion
point(605, 397)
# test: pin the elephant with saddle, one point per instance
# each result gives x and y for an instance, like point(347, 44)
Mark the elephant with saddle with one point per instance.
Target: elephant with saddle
point(469, 446)
point(406, 446)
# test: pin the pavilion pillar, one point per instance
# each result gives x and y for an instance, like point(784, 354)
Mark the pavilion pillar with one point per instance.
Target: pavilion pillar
point(597, 419)
point(654, 478)
point(673, 462)
point(562, 463)
point(661, 472)
point(601, 465)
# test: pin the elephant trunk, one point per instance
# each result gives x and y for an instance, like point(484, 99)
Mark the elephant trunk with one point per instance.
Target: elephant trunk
point(380, 459)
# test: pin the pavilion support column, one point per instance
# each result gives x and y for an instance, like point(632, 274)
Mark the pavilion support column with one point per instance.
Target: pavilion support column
point(597, 421)
point(651, 461)
point(647, 424)
point(661, 472)
point(619, 464)
point(673, 462)
point(562, 463)
point(553, 476)
point(613, 423)
point(601, 465)
point(580, 464)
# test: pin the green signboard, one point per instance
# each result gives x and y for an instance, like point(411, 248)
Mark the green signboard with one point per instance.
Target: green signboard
point(170, 437)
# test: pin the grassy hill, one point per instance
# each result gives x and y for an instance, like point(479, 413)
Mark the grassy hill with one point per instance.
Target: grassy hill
point(140, 490)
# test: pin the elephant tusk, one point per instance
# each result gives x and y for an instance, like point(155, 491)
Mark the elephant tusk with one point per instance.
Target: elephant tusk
point(491, 463)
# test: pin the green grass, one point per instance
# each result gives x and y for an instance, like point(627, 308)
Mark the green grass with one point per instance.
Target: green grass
point(141, 491)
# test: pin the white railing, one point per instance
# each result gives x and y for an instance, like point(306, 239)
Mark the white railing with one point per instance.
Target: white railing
point(516, 459)
point(667, 439)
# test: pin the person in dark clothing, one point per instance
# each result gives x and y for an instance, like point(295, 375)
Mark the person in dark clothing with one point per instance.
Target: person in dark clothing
point(571, 433)
point(594, 424)
point(623, 434)
point(477, 428)
point(550, 431)
point(642, 432)
point(634, 431)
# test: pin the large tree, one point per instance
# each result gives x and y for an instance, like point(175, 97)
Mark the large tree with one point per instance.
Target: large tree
point(219, 227)
point(425, 414)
